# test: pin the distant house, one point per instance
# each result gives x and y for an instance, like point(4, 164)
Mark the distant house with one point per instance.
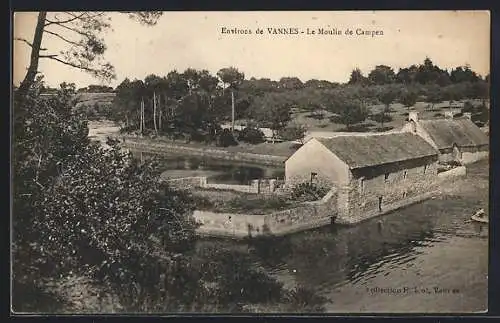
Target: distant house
point(457, 139)
point(370, 172)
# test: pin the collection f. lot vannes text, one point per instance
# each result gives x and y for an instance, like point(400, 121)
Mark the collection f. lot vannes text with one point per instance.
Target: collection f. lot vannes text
point(303, 31)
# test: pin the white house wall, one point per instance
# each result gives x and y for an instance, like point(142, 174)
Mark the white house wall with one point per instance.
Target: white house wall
point(314, 157)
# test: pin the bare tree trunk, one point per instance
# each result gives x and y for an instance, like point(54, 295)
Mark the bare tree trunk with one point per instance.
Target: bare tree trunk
point(161, 114)
point(143, 115)
point(140, 120)
point(29, 78)
point(154, 112)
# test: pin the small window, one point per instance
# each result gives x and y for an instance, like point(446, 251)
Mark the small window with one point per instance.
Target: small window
point(386, 177)
point(405, 173)
point(425, 168)
point(361, 185)
point(313, 176)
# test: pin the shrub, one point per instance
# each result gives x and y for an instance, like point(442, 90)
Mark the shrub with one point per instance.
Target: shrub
point(308, 192)
point(251, 135)
point(226, 139)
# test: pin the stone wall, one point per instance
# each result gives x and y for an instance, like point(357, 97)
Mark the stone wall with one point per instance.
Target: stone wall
point(230, 225)
point(366, 197)
point(258, 186)
point(307, 216)
point(187, 182)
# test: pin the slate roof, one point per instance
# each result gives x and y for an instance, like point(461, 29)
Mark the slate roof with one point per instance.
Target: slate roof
point(460, 131)
point(373, 150)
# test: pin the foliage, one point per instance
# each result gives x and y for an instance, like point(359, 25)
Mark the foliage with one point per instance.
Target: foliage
point(251, 136)
point(351, 112)
point(226, 139)
point(81, 34)
point(308, 191)
point(382, 74)
point(357, 78)
point(267, 103)
point(117, 218)
point(272, 110)
point(292, 132)
point(408, 98)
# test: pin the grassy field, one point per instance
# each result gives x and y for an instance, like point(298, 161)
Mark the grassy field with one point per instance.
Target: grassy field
point(237, 202)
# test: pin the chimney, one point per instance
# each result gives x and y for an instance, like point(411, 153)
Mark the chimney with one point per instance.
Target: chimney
point(468, 115)
point(448, 114)
point(413, 116)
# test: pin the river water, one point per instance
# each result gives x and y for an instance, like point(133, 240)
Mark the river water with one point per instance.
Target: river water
point(217, 171)
point(424, 258)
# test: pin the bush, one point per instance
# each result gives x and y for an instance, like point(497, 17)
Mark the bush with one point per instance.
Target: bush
point(226, 139)
point(308, 192)
point(251, 135)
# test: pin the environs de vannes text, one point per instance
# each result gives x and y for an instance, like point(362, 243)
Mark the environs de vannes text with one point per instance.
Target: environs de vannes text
point(302, 31)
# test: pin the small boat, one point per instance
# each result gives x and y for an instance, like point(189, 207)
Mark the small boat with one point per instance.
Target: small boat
point(480, 216)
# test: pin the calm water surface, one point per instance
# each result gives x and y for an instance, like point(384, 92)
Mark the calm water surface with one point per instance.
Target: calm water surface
point(217, 171)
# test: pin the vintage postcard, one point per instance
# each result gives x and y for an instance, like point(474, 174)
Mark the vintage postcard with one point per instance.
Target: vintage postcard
point(250, 162)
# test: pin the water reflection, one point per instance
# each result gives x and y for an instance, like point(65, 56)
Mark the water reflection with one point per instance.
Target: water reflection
point(218, 171)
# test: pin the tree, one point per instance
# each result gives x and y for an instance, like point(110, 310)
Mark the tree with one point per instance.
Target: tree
point(408, 99)
point(463, 74)
point(232, 79)
point(293, 132)
point(434, 95)
point(272, 110)
point(81, 31)
point(407, 75)
point(357, 77)
point(351, 112)
point(290, 83)
point(382, 74)
point(387, 97)
point(122, 226)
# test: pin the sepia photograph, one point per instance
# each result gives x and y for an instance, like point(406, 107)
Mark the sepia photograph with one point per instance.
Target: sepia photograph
point(250, 162)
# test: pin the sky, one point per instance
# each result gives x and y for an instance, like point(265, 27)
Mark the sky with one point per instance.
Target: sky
point(195, 39)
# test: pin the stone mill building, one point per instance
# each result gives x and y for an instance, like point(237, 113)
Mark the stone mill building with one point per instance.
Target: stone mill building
point(371, 173)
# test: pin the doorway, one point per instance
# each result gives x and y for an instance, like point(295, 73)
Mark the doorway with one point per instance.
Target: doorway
point(380, 203)
point(457, 154)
